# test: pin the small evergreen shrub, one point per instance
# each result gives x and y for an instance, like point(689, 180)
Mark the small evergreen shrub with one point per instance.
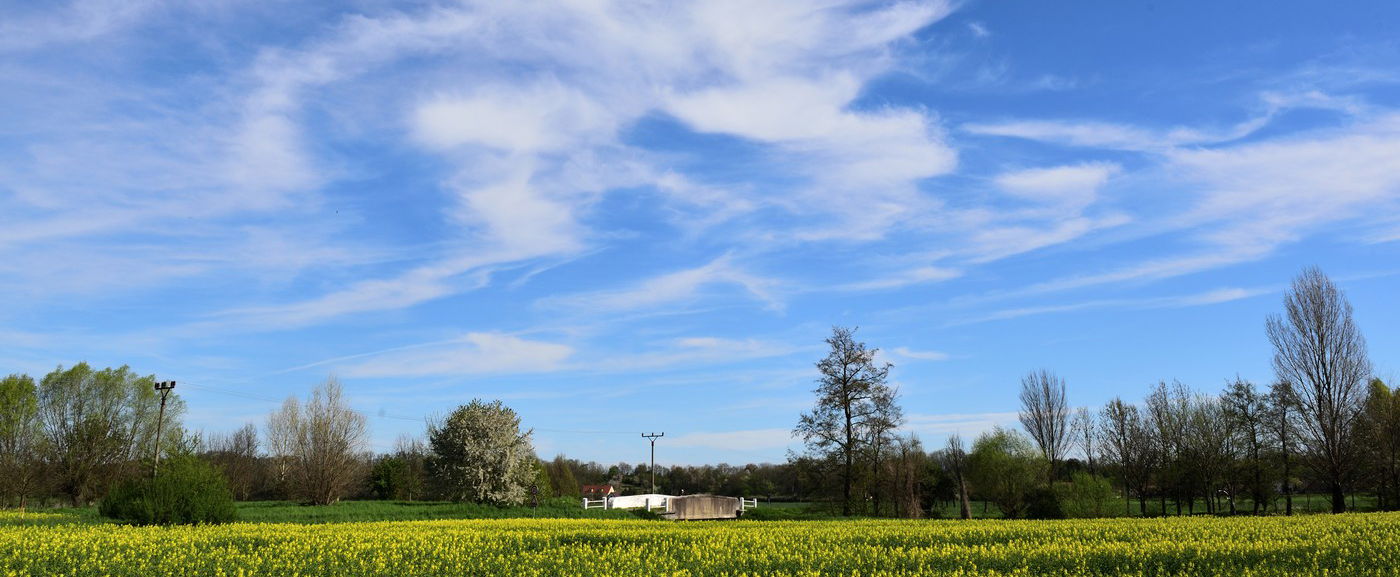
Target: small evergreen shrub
point(187, 491)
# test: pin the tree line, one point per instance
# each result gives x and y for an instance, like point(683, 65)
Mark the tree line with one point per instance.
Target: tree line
point(1325, 424)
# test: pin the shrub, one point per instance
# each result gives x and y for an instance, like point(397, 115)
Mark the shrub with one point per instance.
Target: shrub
point(1043, 503)
point(1086, 496)
point(187, 491)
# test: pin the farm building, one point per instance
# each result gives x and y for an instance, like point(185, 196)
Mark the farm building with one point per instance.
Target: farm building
point(598, 491)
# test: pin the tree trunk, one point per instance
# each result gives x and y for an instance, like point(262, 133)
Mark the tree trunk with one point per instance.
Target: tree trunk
point(1287, 487)
point(850, 455)
point(846, 488)
point(1339, 498)
point(965, 507)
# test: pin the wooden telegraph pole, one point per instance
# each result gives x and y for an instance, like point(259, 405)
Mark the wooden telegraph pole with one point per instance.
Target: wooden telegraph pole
point(164, 388)
point(653, 437)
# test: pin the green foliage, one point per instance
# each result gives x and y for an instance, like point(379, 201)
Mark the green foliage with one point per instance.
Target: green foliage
point(20, 437)
point(479, 455)
point(96, 420)
point(1003, 468)
point(543, 487)
point(1043, 503)
point(186, 491)
point(1086, 496)
point(561, 478)
point(769, 512)
point(389, 478)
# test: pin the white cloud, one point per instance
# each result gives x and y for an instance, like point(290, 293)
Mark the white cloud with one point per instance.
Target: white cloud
point(677, 287)
point(76, 21)
point(688, 351)
point(473, 354)
point(908, 353)
point(913, 276)
point(935, 427)
point(1069, 189)
point(1212, 297)
point(548, 117)
point(1095, 134)
point(772, 110)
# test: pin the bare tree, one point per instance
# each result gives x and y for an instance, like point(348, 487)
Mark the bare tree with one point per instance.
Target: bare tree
point(887, 417)
point(1247, 409)
point(322, 444)
point(1320, 350)
point(1086, 435)
point(1045, 414)
point(1282, 413)
point(282, 426)
point(331, 441)
point(852, 399)
point(909, 464)
point(1127, 443)
point(236, 455)
point(1166, 418)
point(1209, 444)
point(955, 461)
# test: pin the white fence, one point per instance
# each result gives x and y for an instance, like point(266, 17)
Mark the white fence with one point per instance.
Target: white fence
point(648, 502)
point(746, 504)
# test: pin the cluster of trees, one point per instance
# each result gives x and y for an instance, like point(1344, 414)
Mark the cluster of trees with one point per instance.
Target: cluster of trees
point(1325, 424)
point(77, 430)
point(78, 433)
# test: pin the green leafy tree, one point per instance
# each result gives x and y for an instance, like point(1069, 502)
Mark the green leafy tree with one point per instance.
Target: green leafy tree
point(98, 423)
point(480, 455)
point(561, 477)
point(1004, 467)
point(388, 478)
point(20, 438)
point(1380, 433)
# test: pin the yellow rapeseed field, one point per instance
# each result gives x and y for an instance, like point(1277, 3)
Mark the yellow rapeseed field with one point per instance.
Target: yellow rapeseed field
point(1353, 544)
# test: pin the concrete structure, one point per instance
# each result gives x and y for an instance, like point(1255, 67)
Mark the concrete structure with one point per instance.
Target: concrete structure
point(697, 507)
point(682, 508)
point(647, 501)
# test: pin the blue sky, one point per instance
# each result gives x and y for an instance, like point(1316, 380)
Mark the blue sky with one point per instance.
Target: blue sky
point(629, 217)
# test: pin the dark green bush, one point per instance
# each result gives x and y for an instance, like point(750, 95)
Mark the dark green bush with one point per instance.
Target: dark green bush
point(187, 491)
point(1043, 503)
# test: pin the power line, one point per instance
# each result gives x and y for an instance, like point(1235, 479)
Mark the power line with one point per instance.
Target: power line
point(381, 414)
point(585, 432)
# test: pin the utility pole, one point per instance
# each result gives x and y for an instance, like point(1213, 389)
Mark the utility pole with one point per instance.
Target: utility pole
point(164, 388)
point(653, 437)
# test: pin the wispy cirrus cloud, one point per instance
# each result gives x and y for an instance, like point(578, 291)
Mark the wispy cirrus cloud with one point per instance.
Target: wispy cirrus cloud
point(1199, 299)
point(670, 289)
point(472, 354)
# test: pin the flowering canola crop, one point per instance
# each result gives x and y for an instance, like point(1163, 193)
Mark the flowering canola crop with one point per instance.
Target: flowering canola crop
point(1353, 544)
